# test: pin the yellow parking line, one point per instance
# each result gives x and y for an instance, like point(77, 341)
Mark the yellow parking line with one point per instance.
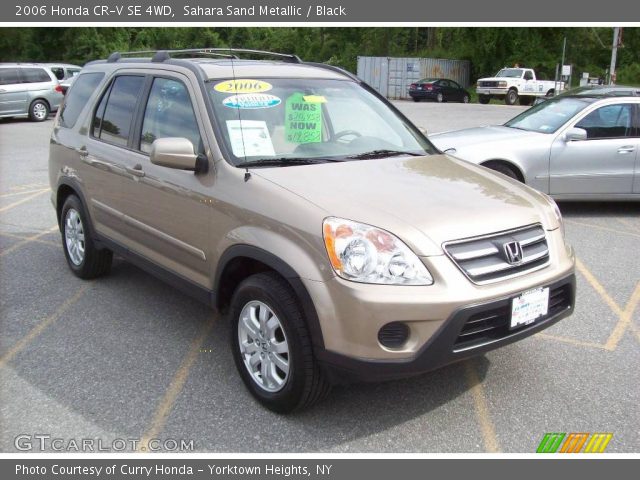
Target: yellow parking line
point(21, 237)
point(482, 409)
point(14, 194)
point(600, 227)
point(20, 202)
point(38, 329)
point(172, 393)
point(597, 286)
point(30, 239)
point(625, 320)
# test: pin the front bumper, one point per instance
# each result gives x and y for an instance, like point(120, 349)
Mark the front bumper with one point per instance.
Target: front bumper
point(447, 346)
point(492, 91)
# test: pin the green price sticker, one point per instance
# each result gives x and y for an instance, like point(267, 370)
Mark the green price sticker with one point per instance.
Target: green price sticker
point(303, 120)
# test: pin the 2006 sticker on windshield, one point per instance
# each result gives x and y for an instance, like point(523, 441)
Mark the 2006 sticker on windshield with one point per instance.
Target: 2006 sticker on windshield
point(303, 119)
point(243, 85)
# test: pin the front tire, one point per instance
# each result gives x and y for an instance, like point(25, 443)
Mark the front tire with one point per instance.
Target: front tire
point(272, 347)
point(484, 99)
point(39, 111)
point(440, 98)
point(512, 97)
point(415, 99)
point(503, 169)
point(84, 259)
point(465, 98)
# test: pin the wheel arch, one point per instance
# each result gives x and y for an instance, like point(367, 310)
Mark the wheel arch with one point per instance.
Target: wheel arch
point(240, 261)
point(508, 163)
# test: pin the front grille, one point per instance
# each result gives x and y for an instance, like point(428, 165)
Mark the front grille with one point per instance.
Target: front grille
point(485, 260)
point(488, 84)
point(493, 324)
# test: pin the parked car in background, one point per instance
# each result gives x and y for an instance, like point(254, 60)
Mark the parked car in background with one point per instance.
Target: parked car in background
point(438, 89)
point(65, 85)
point(513, 84)
point(587, 90)
point(574, 147)
point(63, 71)
point(28, 90)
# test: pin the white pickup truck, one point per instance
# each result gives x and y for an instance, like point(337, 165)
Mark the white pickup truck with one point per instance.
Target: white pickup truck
point(512, 84)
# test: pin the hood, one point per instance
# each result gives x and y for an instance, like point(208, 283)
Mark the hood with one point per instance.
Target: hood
point(477, 135)
point(425, 201)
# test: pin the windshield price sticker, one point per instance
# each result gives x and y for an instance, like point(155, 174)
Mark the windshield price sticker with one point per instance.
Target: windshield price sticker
point(243, 85)
point(303, 119)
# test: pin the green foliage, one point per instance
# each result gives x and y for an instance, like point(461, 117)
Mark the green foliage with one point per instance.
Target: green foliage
point(487, 48)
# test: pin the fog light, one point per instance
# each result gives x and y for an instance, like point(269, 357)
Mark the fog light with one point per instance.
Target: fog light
point(393, 335)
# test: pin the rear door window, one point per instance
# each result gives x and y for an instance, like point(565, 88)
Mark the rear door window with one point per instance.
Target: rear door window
point(78, 96)
point(9, 76)
point(114, 116)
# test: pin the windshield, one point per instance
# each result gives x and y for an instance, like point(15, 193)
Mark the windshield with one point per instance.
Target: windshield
point(510, 73)
point(288, 119)
point(549, 116)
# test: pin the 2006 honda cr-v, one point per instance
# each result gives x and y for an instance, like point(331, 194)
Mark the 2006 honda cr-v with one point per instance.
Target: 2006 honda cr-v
point(292, 196)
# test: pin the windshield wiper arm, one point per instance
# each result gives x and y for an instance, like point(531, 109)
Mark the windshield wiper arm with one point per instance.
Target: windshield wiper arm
point(286, 161)
point(383, 153)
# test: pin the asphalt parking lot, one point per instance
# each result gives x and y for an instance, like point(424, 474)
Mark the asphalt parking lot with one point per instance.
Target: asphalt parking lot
point(127, 357)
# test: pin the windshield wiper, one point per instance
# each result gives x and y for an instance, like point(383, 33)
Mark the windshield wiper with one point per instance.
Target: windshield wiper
point(286, 161)
point(383, 153)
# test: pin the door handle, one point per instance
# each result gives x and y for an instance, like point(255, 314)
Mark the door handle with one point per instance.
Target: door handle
point(135, 170)
point(626, 149)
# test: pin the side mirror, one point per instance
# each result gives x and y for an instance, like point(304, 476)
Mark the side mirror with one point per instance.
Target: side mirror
point(575, 134)
point(174, 152)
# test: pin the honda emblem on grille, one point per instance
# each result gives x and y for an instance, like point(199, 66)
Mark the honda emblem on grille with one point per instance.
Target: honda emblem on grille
point(513, 252)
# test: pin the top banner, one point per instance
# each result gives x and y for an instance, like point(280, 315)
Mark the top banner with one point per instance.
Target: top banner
point(317, 11)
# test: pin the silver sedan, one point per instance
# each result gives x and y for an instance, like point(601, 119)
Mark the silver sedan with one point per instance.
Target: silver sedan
point(571, 147)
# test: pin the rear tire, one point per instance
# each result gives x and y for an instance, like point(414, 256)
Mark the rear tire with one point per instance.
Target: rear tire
point(84, 259)
point(38, 111)
point(484, 99)
point(440, 97)
point(272, 347)
point(415, 99)
point(503, 169)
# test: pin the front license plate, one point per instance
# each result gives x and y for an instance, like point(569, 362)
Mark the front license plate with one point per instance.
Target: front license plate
point(529, 306)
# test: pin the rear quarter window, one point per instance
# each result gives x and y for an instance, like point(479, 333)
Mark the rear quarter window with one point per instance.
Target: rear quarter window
point(34, 75)
point(78, 96)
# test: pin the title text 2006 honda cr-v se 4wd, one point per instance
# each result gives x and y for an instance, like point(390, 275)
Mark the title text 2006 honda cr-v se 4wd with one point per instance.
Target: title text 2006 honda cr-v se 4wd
point(294, 198)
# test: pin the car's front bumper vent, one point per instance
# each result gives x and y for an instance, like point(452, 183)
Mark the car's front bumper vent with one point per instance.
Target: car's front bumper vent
point(500, 256)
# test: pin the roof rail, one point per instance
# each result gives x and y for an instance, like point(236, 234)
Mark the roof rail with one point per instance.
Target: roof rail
point(160, 56)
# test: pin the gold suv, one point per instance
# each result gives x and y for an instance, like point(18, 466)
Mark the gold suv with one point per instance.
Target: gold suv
point(294, 198)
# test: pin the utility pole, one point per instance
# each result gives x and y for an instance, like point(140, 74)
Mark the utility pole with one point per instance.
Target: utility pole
point(614, 53)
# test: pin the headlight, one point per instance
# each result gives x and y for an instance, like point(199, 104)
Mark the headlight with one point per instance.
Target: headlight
point(367, 254)
point(502, 84)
